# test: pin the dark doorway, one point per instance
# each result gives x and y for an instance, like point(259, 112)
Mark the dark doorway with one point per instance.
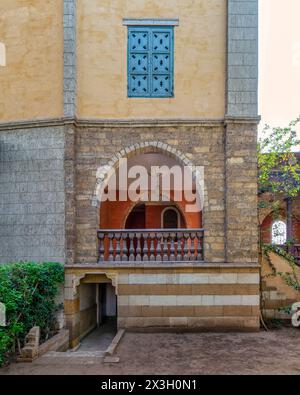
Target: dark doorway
point(107, 304)
point(137, 218)
point(170, 219)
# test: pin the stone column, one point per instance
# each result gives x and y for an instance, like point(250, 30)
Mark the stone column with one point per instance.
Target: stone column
point(241, 132)
point(72, 307)
point(241, 193)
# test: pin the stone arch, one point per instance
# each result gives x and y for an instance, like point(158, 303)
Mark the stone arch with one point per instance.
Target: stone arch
point(104, 172)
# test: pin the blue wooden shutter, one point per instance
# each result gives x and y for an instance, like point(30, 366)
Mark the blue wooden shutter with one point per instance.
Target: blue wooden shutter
point(150, 61)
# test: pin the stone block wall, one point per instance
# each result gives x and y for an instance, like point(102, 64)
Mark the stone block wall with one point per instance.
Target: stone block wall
point(202, 298)
point(194, 297)
point(242, 58)
point(32, 194)
point(277, 296)
point(202, 144)
point(241, 192)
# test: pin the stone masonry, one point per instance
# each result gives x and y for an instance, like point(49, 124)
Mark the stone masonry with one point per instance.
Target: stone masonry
point(48, 178)
point(242, 58)
point(32, 202)
point(202, 143)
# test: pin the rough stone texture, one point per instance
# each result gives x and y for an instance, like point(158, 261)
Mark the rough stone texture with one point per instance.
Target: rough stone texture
point(70, 191)
point(242, 58)
point(32, 197)
point(31, 349)
point(203, 145)
point(277, 296)
point(59, 342)
point(70, 77)
point(241, 193)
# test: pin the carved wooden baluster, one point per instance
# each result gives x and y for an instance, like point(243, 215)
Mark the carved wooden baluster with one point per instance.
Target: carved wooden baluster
point(158, 247)
point(118, 249)
point(111, 247)
point(101, 247)
point(152, 249)
point(192, 238)
point(165, 247)
point(146, 247)
point(185, 247)
point(199, 247)
point(124, 247)
point(179, 246)
point(131, 247)
point(172, 246)
point(138, 256)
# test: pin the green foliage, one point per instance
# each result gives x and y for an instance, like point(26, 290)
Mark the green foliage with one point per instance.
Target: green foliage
point(28, 291)
point(279, 171)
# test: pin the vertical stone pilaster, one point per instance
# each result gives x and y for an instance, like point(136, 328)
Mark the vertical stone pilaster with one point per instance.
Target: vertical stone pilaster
point(242, 58)
point(241, 192)
point(72, 307)
point(241, 131)
point(70, 69)
point(70, 193)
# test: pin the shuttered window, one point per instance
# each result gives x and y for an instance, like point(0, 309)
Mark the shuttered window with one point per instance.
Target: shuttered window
point(150, 61)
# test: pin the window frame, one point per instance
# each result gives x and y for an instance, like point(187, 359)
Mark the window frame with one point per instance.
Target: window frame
point(151, 28)
point(272, 234)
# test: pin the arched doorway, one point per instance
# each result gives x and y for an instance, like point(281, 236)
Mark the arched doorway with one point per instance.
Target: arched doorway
point(170, 218)
point(136, 218)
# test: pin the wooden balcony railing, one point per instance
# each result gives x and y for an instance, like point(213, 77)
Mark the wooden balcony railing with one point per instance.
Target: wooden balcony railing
point(150, 245)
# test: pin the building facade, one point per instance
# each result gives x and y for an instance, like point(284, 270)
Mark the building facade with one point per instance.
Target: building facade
point(172, 82)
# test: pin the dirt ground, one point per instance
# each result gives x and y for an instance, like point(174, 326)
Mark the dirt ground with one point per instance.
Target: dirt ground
point(274, 352)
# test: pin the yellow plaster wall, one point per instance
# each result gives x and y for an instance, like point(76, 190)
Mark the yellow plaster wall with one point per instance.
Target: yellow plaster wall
point(31, 82)
point(200, 43)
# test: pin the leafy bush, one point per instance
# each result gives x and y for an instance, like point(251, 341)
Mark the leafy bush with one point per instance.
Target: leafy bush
point(28, 291)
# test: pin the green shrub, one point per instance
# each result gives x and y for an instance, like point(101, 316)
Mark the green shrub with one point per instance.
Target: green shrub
point(28, 291)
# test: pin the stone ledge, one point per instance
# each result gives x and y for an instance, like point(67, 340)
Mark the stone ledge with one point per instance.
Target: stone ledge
point(114, 344)
point(50, 122)
point(61, 121)
point(119, 123)
point(237, 120)
point(162, 265)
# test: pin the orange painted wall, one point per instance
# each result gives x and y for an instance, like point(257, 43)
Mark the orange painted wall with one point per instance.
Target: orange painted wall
point(113, 215)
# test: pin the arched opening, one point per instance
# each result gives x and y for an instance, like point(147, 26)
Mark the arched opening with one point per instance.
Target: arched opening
point(279, 232)
point(136, 218)
point(136, 229)
point(170, 218)
point(146, 212)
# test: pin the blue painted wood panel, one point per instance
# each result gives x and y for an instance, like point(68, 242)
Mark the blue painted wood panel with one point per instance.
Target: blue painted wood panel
point(150, 61)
